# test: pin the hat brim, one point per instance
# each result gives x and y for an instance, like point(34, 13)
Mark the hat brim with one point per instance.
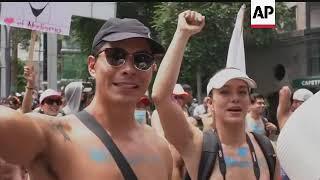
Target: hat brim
point(118, 36)
point(54, 95)
point(251, 83)
point(183, 95)
point(213, 85)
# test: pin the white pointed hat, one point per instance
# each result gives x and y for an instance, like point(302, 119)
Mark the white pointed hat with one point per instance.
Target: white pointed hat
point(236, 56)
point(236, 65)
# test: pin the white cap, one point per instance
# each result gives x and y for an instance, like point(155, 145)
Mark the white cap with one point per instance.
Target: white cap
point(178, 90)
point(87, 89)
point(49, 93)
point(302, 94)
point(225, 75)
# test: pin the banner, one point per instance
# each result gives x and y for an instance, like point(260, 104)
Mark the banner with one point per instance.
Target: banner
point(51, 17)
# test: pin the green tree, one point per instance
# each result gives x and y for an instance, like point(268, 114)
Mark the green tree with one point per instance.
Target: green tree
point(207, 51)
point(21, 82)
point(18, 37)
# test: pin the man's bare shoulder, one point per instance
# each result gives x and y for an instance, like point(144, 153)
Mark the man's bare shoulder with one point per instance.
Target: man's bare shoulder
point(51, 125)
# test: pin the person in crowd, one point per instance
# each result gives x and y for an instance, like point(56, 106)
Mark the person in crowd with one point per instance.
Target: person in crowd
point(50, 103)
point(287, 106)
point(180, 97)
point(86, 98)
point(229, 92)
point(255, 122)
point(122, 62)
point(28, 99)
point(14, 102)
point(72, 95)
point(190, 105)
point(202, 108)
point(142, 112)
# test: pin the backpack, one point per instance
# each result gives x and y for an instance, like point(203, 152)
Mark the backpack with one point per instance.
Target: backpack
point(210, 151)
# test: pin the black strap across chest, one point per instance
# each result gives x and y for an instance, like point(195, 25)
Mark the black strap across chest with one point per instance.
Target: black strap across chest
point(90, 122)
point(222, 163)
point(210, 151)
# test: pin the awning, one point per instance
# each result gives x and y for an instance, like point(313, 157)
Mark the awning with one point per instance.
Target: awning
point(307, 82)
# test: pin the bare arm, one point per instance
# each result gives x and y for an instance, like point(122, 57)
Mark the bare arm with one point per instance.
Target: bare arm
point(29, 75)
point(277, 171)
point(176, 128)
point(283, 111)
point(156, 124)
point(21, 137)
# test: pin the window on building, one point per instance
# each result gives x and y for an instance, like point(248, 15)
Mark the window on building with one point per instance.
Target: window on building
point(315, 14)
point(314, 57)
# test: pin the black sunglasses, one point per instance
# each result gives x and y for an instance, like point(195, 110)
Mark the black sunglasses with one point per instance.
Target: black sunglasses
point(51, 101)
point(118, 56)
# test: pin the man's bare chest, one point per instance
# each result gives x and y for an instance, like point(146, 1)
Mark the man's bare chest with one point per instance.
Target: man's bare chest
point(83, 156)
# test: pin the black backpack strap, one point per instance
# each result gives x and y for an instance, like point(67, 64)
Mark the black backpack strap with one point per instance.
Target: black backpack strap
point(148, 119)
point(268, 152)
point(208, 155)
point(90, 122)
point(265, 121)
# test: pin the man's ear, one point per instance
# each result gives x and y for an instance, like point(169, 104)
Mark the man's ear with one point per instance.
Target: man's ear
point(209, 103)
point(91, 65)
point(155, 67)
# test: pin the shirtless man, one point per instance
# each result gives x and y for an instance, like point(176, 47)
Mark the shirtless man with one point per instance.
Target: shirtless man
point(285, 107)
point(229, 93)
point(62, 148)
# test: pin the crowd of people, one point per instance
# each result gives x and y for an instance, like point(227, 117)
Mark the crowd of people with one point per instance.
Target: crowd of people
point(51, 135)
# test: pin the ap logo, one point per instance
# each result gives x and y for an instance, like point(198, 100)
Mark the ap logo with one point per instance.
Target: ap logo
point(263, 14)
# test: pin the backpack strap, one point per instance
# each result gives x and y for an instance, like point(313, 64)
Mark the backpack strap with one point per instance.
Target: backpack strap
point(265, 121)
point(268, 151)
point(90, 122)
point(208, 155)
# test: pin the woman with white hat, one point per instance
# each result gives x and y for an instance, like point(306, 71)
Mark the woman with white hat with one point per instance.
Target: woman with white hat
point(240, 156)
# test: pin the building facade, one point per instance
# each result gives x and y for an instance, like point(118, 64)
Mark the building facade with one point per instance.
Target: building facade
point(294, 59)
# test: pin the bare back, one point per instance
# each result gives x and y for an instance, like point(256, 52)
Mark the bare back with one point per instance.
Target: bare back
point(71, 151)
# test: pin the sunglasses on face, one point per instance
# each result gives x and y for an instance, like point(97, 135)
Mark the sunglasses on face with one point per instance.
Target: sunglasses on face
point(51, 101)
point(118, 56)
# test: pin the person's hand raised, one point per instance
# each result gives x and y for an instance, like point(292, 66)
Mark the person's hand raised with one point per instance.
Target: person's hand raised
point(283, 110)
point(30, 75)
point(190, 22)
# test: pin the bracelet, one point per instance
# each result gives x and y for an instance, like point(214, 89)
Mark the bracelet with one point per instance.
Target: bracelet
point(30, 88)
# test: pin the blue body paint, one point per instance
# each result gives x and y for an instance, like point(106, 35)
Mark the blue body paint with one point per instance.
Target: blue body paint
point(242, 151)
point(230, 162)
point(98, 155)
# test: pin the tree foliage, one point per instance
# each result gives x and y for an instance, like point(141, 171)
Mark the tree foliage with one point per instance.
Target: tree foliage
point(208, 50)
point(18, 36)
point(83, 30)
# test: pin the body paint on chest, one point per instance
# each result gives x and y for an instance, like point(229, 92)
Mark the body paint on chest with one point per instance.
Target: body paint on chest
point(231, 162)
point(242, 151)
point(99, 156)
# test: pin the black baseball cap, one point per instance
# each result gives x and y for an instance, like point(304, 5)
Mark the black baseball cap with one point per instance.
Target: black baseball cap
point(116, 29)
